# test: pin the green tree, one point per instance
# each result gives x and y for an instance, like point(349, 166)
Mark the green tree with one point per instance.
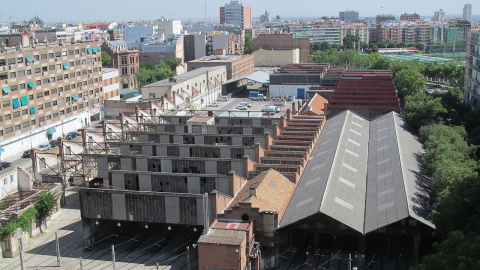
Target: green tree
point(248, 48)
point(376, 61)
point(420, 46)
point(174, 62)
point(350, 41)
point(458, 251)
point(422, 109)
point(409, 82)
point(105, 59)
point(147, 65)
point(46, 203)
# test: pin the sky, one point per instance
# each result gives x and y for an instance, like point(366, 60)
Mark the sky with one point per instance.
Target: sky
point(82, 11)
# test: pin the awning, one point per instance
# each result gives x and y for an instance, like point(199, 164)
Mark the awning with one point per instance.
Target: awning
point(15, 103)
point(6, 90)
point(65, 65)
point(29, 58)
point(75, 97)
point(99, 49)
point(32, 110)
point(55, 113)
point(31, 84)
point(89, 50)
point(51, 131)
point(24, 100)
point(95, 49)
point(2, 150)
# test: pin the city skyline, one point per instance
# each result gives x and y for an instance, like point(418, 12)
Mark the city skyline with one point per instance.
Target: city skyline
point(195, 10)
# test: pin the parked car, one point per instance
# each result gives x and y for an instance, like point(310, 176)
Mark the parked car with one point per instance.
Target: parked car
point(214, 104)
point(53, 143)
point(4, 165)
point(277, 109)
point(246, 104)
point(27, 154)
point(241, 107)
point(71, 135)
point(44, 147)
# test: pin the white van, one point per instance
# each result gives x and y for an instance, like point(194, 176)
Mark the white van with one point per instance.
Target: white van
point(270, 109)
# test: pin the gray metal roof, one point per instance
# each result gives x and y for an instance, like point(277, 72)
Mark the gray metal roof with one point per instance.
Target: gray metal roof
point(358, 175)
point(258, 76)
point(224, 237)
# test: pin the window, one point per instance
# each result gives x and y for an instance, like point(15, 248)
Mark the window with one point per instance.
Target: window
point(43, 56)
point(70, 52)
point(54, 103)
point(12, 75)
point(58, 54)
point(51, 67)
point(16, 114)
point(26, 124)
point(32, 122)
point(22, 86)
point(38, 82)
point(39, 94)
point(29, 72)
point(7, 131)
point(41, 119)
point(46, 93)
point(48, 105)
point(1, 119)
point(30, 97)
point(53, 91)
point(67, 87)
point(50, 55)
point(59, 77)
point(8, 117)
point(40, 107)
point(24, 111)
point(49, 116)
point(14, 88)
point(36, 57)
point(18, 127)
point(11, 61)
point(6, 103)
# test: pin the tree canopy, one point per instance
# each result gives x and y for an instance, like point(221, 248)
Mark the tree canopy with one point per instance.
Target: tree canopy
point(248, 48)
point(149, 73)
point(105, 59)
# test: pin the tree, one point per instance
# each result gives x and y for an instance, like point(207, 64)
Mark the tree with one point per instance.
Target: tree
point(422, 109)
point(147, 65)
point(174, 62)
point(350, 41)
point(376, 61)
point(105, 59)
point(420, 46)
point(45, 204)
point(409, 82)
point(459, 251)
point(248, 48)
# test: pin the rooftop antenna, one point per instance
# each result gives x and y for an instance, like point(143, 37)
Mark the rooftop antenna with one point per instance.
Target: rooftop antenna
point(205, 12)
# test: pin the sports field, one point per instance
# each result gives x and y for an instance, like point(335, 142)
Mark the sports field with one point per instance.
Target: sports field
point(422, 58)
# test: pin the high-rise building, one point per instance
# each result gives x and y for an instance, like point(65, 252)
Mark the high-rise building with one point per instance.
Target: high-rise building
point(439, 16)
point(472, 71)
point(236, 14)
point(348, 16)
point(467, 12)
point(48, 90)
point(410, 17)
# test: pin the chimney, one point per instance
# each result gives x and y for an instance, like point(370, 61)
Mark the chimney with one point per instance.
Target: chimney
point(252, 191)
point(294, 109)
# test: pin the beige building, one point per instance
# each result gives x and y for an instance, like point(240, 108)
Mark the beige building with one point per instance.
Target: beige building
point(47, 91)
point(275, 58)
point(199, 87)
point(237, 65)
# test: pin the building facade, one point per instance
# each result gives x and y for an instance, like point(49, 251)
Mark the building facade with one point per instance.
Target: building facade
point(439, 16)
point(348, 16)
point(472, 71)
point(236, 14)
point(410, 17)
point(284, 42)
point(111, 83)
point(47, 91)
point(467, 12)
point(125, 59)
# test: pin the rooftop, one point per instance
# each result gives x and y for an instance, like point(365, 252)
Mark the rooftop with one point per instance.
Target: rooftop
point(184, 77)
point(223, 237)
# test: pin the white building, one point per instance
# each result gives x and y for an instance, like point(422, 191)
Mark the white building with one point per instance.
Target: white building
point(467, 12)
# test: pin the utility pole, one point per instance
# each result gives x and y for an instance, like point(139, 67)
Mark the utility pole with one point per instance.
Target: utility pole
point(20, 249)
point(188, 257)
point(58, 249)
point(113, 257)
point(81, 264)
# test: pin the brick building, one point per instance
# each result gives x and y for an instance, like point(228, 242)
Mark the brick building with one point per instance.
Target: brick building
point(111, 83)
point(125, 59)
point(236, 65)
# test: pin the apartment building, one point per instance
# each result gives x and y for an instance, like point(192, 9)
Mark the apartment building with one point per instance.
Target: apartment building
point(472, 71)
point(111, 83)
point(236, 65)
point(125, 59)
point(236, 14)
point(398, 32)
point(332, 32)
point(47, 91)
point(410, 17)
point(348, 15)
